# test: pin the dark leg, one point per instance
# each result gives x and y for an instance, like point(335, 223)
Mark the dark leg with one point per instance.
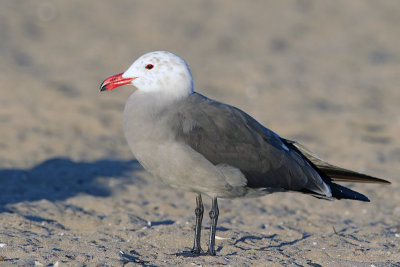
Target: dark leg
point(199, 218)
point(213, 219)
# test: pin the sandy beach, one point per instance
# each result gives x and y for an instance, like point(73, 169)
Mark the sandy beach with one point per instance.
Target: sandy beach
point(326, 74)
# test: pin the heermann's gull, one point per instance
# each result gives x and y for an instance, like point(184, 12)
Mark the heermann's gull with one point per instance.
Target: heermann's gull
point(196, 144)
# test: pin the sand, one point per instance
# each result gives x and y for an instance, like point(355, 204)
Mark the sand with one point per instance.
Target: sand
point(325, 73)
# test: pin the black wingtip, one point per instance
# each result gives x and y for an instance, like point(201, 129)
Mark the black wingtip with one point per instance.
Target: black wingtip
point(382, 181)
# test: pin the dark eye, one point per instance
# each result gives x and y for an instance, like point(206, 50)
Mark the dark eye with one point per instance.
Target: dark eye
point(149, 66)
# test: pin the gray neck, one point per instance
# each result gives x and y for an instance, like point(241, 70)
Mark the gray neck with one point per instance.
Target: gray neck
point(145, 104)
point(146, 114)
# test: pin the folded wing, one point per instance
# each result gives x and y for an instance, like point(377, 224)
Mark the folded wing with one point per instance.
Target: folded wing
point(226, 135)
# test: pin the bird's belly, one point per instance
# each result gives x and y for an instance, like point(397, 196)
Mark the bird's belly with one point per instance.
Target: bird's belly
point(179, 167)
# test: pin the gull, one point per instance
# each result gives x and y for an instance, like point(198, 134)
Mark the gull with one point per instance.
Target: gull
point(196, 144)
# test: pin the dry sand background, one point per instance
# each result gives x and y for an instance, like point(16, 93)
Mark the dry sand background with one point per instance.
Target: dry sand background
point(326, 73)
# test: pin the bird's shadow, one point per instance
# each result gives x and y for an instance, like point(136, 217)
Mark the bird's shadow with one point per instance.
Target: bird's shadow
point(190, 254)
point(250, 241)
point(60, 178)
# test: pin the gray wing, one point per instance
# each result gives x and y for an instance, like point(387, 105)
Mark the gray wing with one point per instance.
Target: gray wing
point(226, 135)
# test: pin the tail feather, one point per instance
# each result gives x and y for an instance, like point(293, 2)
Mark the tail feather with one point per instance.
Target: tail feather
point(336, 173)
point(331, 173)
point(341, 192)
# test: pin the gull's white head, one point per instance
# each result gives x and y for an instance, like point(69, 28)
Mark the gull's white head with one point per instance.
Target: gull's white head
point(158, 71)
